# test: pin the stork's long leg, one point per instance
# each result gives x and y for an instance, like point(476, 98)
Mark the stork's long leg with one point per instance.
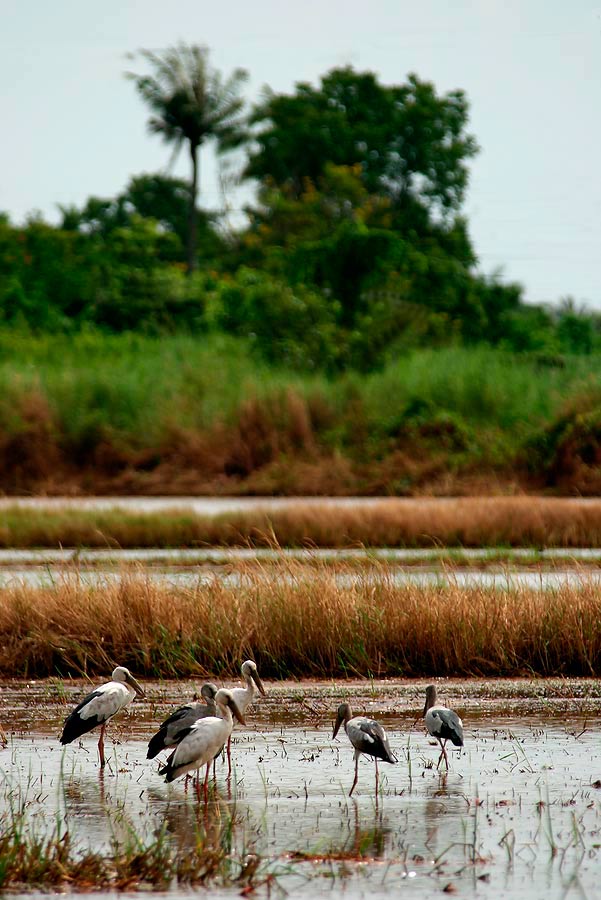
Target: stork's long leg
point(377, 779)
point(229, 757)
point(356, 774)
point(207, 781)
point(443, 754)
point(101, 745)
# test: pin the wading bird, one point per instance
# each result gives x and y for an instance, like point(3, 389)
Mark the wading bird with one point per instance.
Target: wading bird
point(442, 723)
point(100, 706)
point(202, 741)
point(173, 728)
point(243, 697)
point(366, 736)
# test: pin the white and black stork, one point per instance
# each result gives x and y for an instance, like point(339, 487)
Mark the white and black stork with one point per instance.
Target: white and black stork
point(243, 697)
point(101, 705)
point(442, 723)
point(366, 736)
point(177, 724)
point(202, 741)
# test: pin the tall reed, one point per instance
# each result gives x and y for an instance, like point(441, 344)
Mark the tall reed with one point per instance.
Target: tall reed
point(299, 622)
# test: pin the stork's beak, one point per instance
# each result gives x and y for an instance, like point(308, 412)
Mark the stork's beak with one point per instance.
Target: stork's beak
point(257, 680)
point(337, 726)
point(136, 686)
point(234, 708)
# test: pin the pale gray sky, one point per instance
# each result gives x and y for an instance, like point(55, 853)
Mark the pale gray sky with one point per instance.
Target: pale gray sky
point(73, 126)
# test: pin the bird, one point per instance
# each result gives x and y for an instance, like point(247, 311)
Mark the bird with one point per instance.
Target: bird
point(101, 705)
point(203, 741)
point(366, 736)
point(243, 697)
point(172, 729)
point(442, 723)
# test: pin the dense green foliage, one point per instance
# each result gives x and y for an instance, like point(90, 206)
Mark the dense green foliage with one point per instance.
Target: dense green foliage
point(355, 252)
point(179, 414)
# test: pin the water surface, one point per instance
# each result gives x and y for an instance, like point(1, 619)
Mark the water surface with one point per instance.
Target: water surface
point(518, 814)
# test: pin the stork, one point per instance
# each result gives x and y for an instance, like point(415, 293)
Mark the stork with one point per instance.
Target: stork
point(442, 723)
point(101, 705)
point(366, 736)
point(172, 729)
point(202, 741)
point(243, 697)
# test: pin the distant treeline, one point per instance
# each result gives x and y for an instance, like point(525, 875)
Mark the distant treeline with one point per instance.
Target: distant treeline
point(354, 252)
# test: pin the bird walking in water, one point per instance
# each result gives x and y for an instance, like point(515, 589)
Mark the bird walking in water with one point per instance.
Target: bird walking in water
point(101, 705)
point(177, 724)
point(442, 723)
point(203, 740)
point(243, 697)
point(366, 736)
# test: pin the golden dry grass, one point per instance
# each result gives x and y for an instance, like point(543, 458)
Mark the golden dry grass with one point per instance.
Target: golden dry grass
point(297, 621)
point(429, 522)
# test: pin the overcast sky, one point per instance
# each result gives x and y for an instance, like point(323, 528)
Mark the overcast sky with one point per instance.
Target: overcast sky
point(73, 126)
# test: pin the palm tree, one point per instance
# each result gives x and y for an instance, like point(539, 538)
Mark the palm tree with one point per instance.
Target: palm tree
point(191, 103)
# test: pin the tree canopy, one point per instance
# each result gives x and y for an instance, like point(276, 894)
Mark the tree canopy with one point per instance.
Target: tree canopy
point(409, 143)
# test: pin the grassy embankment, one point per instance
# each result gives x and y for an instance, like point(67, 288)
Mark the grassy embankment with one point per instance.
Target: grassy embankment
point(459, 522)
point(299, 622)
point(133, 414)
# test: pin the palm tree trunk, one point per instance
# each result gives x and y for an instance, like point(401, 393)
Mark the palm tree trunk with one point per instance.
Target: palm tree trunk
point(192, 212)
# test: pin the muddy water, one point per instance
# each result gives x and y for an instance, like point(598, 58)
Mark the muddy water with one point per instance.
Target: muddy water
point(517, 815)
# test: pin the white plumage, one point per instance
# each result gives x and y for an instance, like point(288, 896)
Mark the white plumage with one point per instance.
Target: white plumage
point(203, 741)
point(99, 706)
point(442, 723)
point(243, 697)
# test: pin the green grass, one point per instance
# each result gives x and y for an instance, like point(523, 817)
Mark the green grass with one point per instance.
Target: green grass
point(475, 407)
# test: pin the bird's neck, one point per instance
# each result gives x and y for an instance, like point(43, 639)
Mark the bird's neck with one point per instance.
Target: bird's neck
point(225, 713)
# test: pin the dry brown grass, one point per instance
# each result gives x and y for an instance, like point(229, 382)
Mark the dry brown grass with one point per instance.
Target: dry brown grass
point(299, 622)
point(429, 522)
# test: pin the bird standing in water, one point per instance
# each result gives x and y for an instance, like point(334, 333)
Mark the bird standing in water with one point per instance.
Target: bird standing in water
point(366, 736)
point(202, 741)
point(243, 697)
point(173, 728)
point(442, 723)
point(101, 705)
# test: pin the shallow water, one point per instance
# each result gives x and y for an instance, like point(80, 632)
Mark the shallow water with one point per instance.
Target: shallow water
point(206, 506)
point(213, 506)
point(503, 577)
point(516, 816)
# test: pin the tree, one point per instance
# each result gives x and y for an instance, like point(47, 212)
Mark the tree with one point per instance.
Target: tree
point(191, 104)
point(409, 143)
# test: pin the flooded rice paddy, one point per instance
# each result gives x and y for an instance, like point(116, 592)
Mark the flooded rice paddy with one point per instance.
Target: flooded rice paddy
point(519, 813)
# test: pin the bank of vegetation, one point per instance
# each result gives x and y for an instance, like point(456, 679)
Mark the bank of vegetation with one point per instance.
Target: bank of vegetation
point(175, 415)
point(430, 523)
point(298, 622)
